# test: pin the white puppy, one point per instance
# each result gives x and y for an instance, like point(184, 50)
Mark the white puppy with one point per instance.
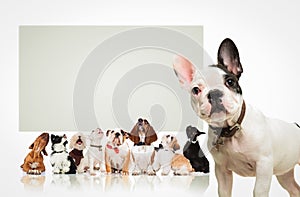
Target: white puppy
point(94, 157)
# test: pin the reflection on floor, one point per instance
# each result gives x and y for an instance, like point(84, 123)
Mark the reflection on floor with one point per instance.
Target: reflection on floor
point(110, 183)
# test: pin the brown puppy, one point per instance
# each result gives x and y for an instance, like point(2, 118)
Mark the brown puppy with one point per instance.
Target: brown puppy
point(77, 146)
point(142, 133)
point(34, 161)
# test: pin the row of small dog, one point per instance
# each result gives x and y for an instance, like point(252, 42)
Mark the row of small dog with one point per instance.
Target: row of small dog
point(122, 152)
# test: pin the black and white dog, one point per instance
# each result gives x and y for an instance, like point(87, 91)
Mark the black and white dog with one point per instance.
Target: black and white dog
point(241, 139)
point(193, 151)
point(60, 159)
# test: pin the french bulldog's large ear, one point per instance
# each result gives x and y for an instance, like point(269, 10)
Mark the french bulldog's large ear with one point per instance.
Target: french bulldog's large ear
point(184, 70)
point(228, 55)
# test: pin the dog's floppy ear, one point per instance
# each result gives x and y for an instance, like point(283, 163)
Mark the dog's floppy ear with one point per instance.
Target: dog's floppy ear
point(184, 70)
point(228, 56)
point(175, 145)
point(125, 134)
point(31, 146)
point(134, 136)
point(134, 130)
point(151, 135)
point(108, 132)
point(45, 152)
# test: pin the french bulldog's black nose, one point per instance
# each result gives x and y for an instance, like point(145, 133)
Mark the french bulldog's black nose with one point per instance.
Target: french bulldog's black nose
point(117, 134)
point(215, 96)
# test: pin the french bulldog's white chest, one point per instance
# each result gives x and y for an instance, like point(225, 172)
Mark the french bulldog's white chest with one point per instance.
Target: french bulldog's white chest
point(235, 156)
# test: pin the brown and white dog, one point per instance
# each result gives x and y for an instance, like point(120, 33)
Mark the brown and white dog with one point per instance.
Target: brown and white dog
point(165, 158)
point(142, 135)
point(117, 152)
point(34, 161)
point(77, 146)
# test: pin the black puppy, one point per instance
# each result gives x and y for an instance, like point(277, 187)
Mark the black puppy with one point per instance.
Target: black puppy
point(193, 152)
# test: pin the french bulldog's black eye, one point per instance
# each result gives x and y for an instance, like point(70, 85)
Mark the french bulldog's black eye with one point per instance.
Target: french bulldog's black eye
point(230, 82)
point(196, 90)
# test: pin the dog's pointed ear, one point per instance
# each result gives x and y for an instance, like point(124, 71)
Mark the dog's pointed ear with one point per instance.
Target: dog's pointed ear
point(184, 70)
point(228, 56)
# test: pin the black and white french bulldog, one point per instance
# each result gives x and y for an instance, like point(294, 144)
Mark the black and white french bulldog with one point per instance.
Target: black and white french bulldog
point(60, 159)
point(241, 139)
point(193, 151)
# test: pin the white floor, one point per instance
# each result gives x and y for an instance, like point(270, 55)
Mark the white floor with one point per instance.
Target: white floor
point(14, 181)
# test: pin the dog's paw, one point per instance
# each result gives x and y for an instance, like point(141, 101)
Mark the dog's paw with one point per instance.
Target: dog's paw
point(164, 174)
point(125, 172)
point(65, 169)
point(181, 173)
point(151, 173)
point(56, 171)
point(80, 171)
point(136, 173)
point(34, 172)
point(96, 168)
